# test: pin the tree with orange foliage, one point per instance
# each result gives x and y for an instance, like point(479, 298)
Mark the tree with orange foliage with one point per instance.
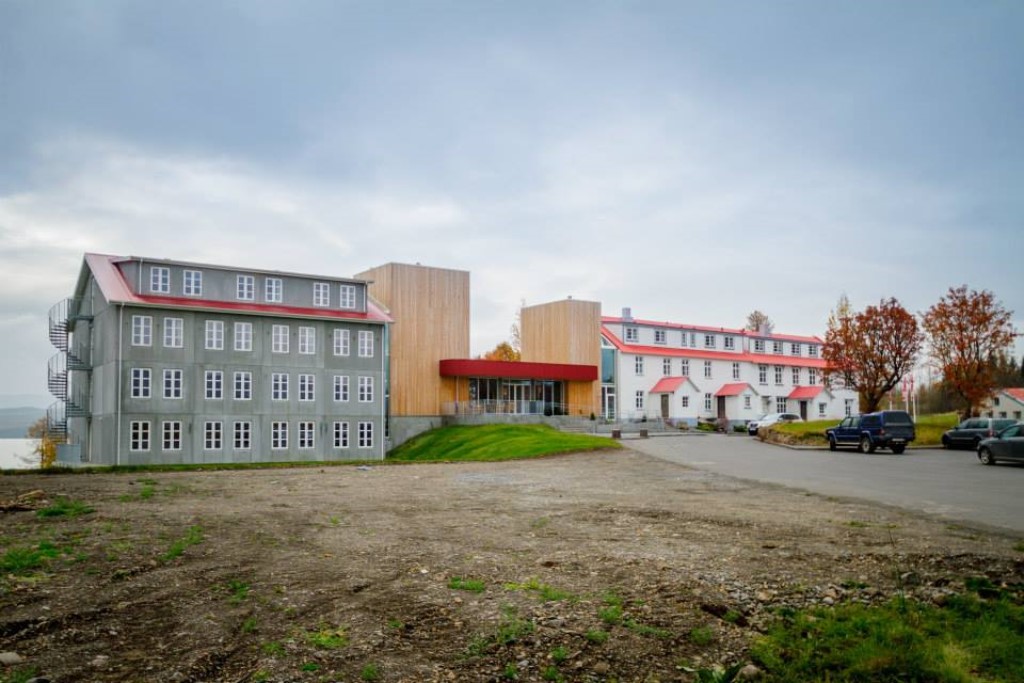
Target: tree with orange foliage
point(967, 332)
point(503, 351)
point(871, 351)
point(46, 449)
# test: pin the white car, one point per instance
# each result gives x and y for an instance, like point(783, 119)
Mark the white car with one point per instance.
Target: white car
point(769, 419)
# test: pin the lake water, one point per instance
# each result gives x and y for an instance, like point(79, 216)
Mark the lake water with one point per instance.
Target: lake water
point(18, 454)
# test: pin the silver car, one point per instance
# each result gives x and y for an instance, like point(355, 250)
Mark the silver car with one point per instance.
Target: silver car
point(1007, 446)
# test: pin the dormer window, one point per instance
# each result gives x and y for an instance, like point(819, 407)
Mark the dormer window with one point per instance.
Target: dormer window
point(192, 284)
point(273, 290)
point(160, 280)
point(632, 334)
point(730, 343)
point(709, 341)
point(812, 351)
point(246, 287)
point(659, 336)
point(321, 294)
point(777, 347)
point(759, 346)
point(347, 296)
point(795, 349)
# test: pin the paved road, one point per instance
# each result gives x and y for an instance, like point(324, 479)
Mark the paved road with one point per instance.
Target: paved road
point(948, 484)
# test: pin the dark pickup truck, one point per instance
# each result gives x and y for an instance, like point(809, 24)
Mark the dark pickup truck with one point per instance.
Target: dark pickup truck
point(892, 429)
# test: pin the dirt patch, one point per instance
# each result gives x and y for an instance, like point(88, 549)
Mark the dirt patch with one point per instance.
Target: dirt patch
point(598, 567)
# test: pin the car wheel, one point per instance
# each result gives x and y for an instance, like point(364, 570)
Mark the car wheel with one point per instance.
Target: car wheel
point(945, 442)
point(898, 450)
point(831, 443)
point(985, 456)
point(865, 445)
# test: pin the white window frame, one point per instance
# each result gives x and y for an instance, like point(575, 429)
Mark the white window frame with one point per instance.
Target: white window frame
point(160, 279)
point(341, 435)
point(794, 349)
point(307, 387)
point(192, 283)
point(174, 384)
point(279, 386)
point(778, 379)
point(684, 367)
point(170, 435)
point(730, 343)
point(762, 374)
point(812, 376)
point(746, 401)
point(142, 383)
point(242, 436)
point(736, 371)
point(142, 330)
point(660, 337)
point(347, 296)
point(307, 435)
point(686, 401)
point(365, 389)
point(365, 435)
point(710, 341)
point(307, 340)
point(708, 369)
point(321, 294)
point(174, 333)
point(139, 436)
point(341, 388)
point(631, 333)
point(759, 346)
point(822, 409)
point(638, 399)
point(279, 337)
point(213, 435)
point(781, 404)
point(273, 290)
point(342, 342)
point(243, 385)
point(243, 336)
point(213, 381)
point(278, 436)
point(366, 343)
point(245, 287)
point(812, 350)
point(638, 366)
point(708, 402)
point(214, 337)
point(666, 367)
point(795, 376)
point(777, 348)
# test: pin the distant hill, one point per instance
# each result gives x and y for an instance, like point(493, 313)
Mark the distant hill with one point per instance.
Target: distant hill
point(14, 422)
point(25, 400)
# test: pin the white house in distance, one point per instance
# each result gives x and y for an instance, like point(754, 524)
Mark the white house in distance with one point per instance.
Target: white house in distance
point(685, 373)
point(1006, 403)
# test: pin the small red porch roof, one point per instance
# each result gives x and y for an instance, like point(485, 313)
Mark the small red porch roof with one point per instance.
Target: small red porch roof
point(477, 367)
point(805, 392)
point(668, 385)
point(734, 389)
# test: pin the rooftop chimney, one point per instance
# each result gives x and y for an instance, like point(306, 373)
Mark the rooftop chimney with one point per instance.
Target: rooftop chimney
point(627, 315)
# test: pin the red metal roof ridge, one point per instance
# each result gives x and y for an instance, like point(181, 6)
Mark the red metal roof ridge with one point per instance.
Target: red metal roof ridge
point(708, 328)
point(802, 361)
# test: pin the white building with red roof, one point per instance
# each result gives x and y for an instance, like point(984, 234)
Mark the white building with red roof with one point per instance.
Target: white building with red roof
point(164, 361)
point(1008, 402)
point(687, 373)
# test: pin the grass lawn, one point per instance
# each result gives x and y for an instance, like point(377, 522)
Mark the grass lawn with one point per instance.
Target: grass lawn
point(812, 433)
point(495, 442)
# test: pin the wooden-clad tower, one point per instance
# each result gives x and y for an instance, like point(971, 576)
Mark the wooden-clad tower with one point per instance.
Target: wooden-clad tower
point(567, 331)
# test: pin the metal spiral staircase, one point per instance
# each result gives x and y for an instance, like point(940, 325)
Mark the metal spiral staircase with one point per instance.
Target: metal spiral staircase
point(72, 397)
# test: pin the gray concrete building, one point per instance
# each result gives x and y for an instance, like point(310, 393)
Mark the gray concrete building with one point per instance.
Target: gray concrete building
point(174, 362)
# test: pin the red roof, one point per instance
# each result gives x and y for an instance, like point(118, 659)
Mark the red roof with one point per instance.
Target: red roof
point(1016, 393)
point(732, 389)
point(703, 328)
point(675, 352)
point(668, 385)
point(805, 392)
point(115, 289)
point(477, 367)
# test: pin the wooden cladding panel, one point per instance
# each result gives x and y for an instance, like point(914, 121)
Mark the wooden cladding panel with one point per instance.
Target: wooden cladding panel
point(567, 331)
point(430, 307)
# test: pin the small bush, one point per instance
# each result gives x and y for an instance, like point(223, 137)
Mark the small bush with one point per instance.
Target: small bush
point(65, 507)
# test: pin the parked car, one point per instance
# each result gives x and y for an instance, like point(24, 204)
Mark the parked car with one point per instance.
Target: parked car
point(769, 419)
point(892, 429)
point(1007, 445)
point(970, 432)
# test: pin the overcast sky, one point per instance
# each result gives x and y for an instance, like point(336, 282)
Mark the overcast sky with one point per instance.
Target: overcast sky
point(691, 160)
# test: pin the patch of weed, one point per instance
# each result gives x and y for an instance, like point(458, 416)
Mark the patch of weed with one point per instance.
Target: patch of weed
point(472, 585)
point(310, 666)
point(328, 637)
point(370, 672)
point(239, 591)
point(272, 648)
point(702, 635)
point(611, 614)
point(1019, 546)
point(597, 636)
point(194, 536)
point(260, 676)
point(24, 560)
point(511, 672)
point(732, 616)
point(559, 654)
point(965, 639)
point(395, 624)
point(65, 507)
point(544, 591)
point(19, 676)
point(645, 629)
point(551, 673)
